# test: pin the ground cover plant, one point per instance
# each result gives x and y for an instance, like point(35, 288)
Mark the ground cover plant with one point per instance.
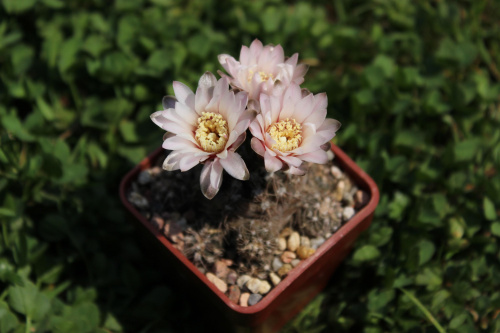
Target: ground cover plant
point(414, 83)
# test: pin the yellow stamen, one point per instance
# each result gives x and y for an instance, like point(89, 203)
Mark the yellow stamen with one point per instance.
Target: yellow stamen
point(287, 134)
point(212, 132)
point(263, 76)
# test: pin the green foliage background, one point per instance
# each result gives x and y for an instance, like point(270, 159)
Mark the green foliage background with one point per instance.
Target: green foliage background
point(415, 84)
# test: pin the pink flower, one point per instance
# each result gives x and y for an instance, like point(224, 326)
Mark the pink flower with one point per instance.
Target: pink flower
point(260, 67)
point(292, 129)
point(206, 127)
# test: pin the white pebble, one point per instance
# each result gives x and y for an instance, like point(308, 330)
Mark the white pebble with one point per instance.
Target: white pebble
point(348, 213)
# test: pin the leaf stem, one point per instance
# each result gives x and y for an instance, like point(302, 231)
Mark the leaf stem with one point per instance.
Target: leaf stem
point(422, 308)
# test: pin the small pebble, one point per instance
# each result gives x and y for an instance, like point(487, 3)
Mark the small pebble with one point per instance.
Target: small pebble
point(275, 279)
point(234, 294)
point(338, 194)
point(293, 241)
point(361, 198)
point(283, 271)
point(158, 222)
point(277, 263)
point(304, 241)
point(173, 232)
point(253, 285)
point(348, 213)
point(317, 242)
point(232, 276)
point(144, 177)
point(348, 199)
point(336, 172)
point(254, 299)
point(281, 244)
point(330, 155)
point(221, 285)
point(242, 280)
point(220, 269)
point(228, 262)
point(296, 262)
point(138, 200)
point(305, 252)
point(264, 287)
point(288, 256)
point(325, 206)
point(244, 299)
point(286, 232)
point(155, 171)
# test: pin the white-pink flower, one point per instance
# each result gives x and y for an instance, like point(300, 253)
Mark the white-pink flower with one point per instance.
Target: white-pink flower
point(206, 127)
point(292, 129)
point(260, 67)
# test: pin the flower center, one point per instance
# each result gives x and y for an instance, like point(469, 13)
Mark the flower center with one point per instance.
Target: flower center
point(212, 132)
point(263, 76)
point(287, 134)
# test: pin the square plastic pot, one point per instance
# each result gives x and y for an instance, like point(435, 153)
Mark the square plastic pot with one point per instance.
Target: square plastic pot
point(284, 301)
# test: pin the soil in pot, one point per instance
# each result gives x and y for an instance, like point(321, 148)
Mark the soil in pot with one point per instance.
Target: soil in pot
point(253, 233)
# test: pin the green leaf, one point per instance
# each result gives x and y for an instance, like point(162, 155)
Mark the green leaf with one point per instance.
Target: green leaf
point(21, 58)
point(466, 150)
point(12, 124)
point(429, 278)
point(398, 206)
point(381, 236)
point(198, 45)
point(366, 253)
point(386, 64)
point(489, 209)
point(7, 212)
point(160, 60)
point(8, 321)
point(379, 299)
point(54, 3)
point(495, 229)
point(45, 109)
point(128, 131)
point(364, 97)
point(28, 301)
point(112, 324)
point(68, 54)
point(426, 250)
point(374, 76)
point(411, 139)
point(18, 6)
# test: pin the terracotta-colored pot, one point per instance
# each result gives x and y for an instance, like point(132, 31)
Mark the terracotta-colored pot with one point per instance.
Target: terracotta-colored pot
point(284, 301)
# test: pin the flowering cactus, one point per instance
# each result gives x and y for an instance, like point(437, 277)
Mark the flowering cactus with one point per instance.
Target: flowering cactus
point(206, 127)
point(260, 68)
point(292, 129)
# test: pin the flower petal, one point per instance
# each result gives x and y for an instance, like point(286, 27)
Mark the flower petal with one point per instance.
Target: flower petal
point(318, 156)
point(188, 161)
point(292, 160)
point(178, 143)
point(257, 146)
point(300, 171)
point(183, 94)
point(235, 166)
point(328, 128)
point(272, 163)
point(211, 178)
point(239, 140)
point(256, 129)
point(168, 102)
point(171, 163)
point(158, 118)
